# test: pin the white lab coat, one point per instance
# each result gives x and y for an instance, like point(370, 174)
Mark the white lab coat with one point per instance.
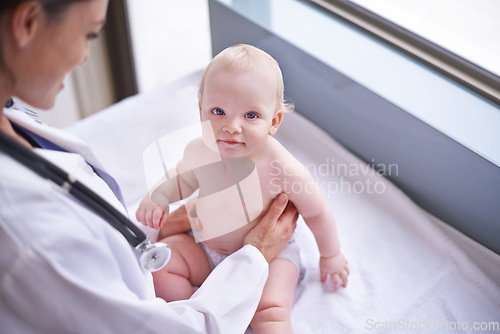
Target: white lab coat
point(64, 270)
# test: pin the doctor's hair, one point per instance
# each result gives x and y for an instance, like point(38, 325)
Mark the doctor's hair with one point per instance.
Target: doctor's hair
point(53, 8)
point(244, 57)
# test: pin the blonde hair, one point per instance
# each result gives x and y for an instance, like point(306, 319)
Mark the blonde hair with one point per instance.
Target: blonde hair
point(244, 57)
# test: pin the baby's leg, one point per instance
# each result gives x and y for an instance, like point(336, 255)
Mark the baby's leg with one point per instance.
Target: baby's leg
point(273, 312)
point(188, 266)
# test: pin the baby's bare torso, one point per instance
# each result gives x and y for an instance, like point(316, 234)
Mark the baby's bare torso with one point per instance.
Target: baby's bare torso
point(235, 194)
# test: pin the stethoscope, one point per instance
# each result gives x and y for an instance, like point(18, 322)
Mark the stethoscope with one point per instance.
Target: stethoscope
point(151, 256)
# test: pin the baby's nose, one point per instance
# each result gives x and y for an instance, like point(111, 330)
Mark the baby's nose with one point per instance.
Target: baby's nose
point(232, 127)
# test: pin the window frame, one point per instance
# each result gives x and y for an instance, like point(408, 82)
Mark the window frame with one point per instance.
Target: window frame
point(432, 55)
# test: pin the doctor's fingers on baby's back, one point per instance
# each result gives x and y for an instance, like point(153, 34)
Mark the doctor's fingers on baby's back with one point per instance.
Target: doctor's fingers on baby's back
point(272, 233)
point(289, 217)
point(283, 215)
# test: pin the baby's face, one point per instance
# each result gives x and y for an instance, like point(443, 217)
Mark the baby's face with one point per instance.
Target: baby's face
point(242, 109)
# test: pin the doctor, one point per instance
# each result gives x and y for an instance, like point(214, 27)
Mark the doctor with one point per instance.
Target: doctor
point(62, 268)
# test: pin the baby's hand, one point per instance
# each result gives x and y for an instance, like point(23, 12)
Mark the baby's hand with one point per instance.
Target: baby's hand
point(151, 214)
point(336, 267)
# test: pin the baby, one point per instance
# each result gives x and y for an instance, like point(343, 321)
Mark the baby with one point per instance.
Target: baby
point(234, 164)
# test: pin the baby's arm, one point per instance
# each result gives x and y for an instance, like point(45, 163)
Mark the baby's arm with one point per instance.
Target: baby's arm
point(154, 208)
point(332, 261)
point(305, 193)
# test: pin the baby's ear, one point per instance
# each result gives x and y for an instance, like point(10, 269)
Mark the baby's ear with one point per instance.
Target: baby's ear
point(277, 119)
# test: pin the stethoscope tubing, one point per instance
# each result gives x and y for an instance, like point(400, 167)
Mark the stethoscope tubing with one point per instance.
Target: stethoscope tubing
point(78, 190)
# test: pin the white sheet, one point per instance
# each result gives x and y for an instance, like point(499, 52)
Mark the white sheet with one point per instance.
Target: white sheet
point(409, 271)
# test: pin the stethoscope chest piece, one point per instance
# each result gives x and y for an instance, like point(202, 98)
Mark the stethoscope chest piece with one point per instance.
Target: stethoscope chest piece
point(153, 257)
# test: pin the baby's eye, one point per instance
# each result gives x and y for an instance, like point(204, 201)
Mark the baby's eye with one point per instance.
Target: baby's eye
point(251, 115)
point(217, 111)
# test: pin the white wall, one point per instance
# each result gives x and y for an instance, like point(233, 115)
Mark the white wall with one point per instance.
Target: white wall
point(170, 38)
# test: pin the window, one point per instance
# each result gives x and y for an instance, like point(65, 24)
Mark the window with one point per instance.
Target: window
point(457, 37)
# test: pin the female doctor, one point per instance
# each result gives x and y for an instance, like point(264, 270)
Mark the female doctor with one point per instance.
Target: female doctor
point(62, 268)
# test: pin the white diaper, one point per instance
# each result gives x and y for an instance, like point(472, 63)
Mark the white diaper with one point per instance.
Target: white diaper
point(291, 253)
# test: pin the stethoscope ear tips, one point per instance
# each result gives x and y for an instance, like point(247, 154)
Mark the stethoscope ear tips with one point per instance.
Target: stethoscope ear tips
point(9, 103)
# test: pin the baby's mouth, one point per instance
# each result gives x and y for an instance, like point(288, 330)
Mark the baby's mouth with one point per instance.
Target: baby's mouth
point(230, 141)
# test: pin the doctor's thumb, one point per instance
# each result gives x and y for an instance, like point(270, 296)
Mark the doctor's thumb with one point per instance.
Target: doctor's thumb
point(272, 233)
point(277, 207)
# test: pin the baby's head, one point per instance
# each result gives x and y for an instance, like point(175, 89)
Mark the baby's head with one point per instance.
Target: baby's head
point(242, 94)
point(244, 57)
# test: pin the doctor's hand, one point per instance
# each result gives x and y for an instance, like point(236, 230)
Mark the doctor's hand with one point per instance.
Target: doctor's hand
point(272, 233)
point(151, 213)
